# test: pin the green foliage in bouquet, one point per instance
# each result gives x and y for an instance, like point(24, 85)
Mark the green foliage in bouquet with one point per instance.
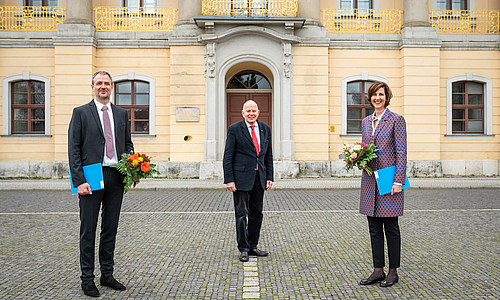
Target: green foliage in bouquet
point(135, 166)
point(359, 155)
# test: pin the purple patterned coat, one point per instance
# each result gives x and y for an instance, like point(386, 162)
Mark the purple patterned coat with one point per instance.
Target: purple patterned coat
point(390, 139)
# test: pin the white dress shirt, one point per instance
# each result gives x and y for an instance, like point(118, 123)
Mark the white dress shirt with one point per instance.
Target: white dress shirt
point(107, 162)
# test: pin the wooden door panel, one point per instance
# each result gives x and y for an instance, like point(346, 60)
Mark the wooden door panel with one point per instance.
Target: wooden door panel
point(235, 103)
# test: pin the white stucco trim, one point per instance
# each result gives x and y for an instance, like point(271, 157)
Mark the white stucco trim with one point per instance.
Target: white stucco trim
point(345, 81)
point(152, 96)
point(488, 105)
point(6, 104)
point(282, 106)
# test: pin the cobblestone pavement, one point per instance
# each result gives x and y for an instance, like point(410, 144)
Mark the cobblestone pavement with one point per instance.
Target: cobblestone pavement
point(180, 244)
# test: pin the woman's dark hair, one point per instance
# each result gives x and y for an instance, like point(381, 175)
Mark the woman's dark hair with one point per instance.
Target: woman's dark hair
point(377, 85)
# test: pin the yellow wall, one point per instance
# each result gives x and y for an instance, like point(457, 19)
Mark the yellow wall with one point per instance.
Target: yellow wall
point(39, 61)
point(310, 103)
point(187, 89)
point(150, 62)
point(482, 63)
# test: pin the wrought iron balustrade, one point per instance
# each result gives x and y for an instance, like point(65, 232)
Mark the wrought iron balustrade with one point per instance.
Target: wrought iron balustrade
point(465, 21)
point(250, 8)
point(30, 18)
point(134, 18)
point(362, 20)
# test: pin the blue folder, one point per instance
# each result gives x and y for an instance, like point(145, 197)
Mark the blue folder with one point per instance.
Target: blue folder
point(93, 175)
point(385, 180)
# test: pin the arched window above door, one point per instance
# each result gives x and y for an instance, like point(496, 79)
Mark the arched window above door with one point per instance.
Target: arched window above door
point(249, 80)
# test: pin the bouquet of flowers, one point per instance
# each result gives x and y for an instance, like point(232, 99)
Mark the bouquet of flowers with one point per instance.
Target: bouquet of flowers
point(135, 166)
point(359, 155)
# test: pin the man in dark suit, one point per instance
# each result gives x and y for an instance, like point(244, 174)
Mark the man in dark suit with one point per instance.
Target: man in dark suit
point(248, 171)
point(99, 132)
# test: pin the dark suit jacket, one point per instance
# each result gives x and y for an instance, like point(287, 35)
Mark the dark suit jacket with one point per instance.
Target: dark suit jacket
point(240, 157)
point(86, 138)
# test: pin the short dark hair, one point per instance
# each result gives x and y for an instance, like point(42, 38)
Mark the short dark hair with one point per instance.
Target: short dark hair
point(377, 85)
point(102, 73)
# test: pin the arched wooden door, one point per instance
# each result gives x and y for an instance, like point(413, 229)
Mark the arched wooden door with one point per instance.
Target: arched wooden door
point(245, 86)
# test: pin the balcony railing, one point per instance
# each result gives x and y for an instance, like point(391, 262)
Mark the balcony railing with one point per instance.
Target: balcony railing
point(250, 8)
point(30, 18)
point(362, 20)
point(465, 21)
point(134, 18)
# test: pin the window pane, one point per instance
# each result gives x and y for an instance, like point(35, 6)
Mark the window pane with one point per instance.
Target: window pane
point(353, 99)
point(367, 102)
point(354, 87)
point(458, 87)
point(253, 79)
point(53, 3)
point(457, 99)
point(458, 4)
point(149, 3)
point(37, 87)
point(475, 99)
point(124, 87)
point(354, 113)
point(141, 113)
point(364, 4)
point(458, 126)
point(38, 99)
point(353, 126)
point(20, 87)
point(38, 114)
point(347, 4)
point(123, 99)
point(141, 99)
point(475, 88)
point(367, 86)
point(38, 125)
point(132, 3)
point(20, 114)
point(20, 126)
point(235, 84)
point(441, 5)
point(244, 79)
point(141, 126)
point(458, 114)
point(20, 99)
point(263, 84)
point(475, 126)
point(369, 111)
point(141, 87)
point(476, 114)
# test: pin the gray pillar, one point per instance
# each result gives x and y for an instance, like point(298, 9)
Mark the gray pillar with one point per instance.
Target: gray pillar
point(416, 13)
point(188, 9)
point(309, 9)
point(78, 12)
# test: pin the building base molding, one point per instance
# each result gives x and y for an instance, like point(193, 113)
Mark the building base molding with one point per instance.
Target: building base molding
point(282, 169)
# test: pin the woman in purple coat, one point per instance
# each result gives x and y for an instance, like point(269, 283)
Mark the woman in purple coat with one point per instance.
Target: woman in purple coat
point(387, 130)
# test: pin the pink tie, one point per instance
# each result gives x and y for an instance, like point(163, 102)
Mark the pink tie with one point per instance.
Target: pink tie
point(255, 143)
point(110, 150)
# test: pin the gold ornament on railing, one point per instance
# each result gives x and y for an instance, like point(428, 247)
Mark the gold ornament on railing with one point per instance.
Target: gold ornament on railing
point(250, 8)
point(134, 18)
point(465, 21)
point(362, 20)
point(30, 18)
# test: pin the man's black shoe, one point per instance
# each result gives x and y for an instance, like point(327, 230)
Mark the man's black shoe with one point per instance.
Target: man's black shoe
point(244, 256)
point(89, 288)
point(112, 283)
point(257, 252)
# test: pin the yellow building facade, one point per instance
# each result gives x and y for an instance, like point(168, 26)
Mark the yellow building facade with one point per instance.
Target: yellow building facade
point(183, 69)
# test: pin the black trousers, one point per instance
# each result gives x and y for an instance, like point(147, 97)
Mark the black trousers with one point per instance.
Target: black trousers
point(111, 199)
point(248, 204)
point(390, 226)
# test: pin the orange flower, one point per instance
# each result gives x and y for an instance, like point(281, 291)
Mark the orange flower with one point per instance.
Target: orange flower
point(145, 167)
point(132, 157)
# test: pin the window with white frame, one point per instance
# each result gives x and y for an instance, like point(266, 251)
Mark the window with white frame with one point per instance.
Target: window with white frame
point(469, 106)
point(355, 105)
point(136, 94)
point(26, 106)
